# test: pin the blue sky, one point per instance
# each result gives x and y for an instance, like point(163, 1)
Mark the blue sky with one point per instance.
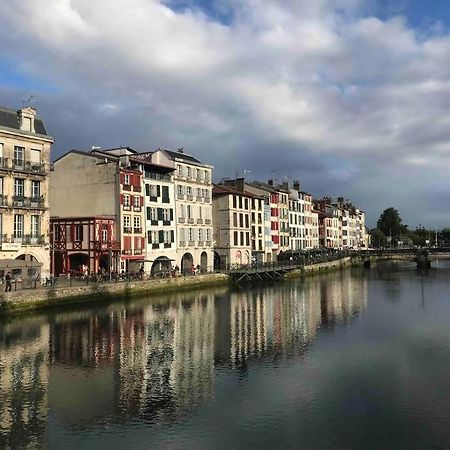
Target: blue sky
point(349, 96)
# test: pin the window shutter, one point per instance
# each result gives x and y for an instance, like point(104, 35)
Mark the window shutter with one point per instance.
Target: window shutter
point(158, 190)
point(161, 236)
point(142, 242)
point(72, 233)
point(172, 236)
point(142, 201)
point(121, 199)
point(147, 190)
point(160, 214)
point(148, 213)
point(171, 214)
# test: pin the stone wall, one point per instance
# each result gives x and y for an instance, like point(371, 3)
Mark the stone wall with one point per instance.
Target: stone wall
point(41, 298)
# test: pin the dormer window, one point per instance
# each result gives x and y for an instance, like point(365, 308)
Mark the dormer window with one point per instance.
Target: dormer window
point(26, 119)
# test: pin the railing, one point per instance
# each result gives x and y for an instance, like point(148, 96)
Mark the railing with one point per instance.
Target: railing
point(137, 230)
point(127, 187)
point(37, 202)
point(3, 200)
point(181, 220)
point(138, 251)
point(137, 209)
point(190, 198)
point(182, 243)
point(137, 188)
point(127, 230)
point(180, 196)
point(3, 163)
point(190, 220)
point(200, 243)
point(199, 221)
point(207, 221)
point(33, 240)
point(191, 243)
point(208, 243)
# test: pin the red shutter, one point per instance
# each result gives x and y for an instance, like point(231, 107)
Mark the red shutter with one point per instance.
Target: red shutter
point(122, 178)
point(127, 242)
point(72, 233)
point(142, 201)
point(142, 242)
point(121, 199)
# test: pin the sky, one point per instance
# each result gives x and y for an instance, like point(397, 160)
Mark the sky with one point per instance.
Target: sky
point(351, 97)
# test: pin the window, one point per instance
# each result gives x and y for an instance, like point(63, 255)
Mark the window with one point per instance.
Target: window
point(126, 178)
point(191, 234)
point(35, 189)
point(234, 202)
point(1, 149)
point(35, 157)
point(137, 201)
point(166, 215)
point(165, 194)
point(18, 226)
point(189, 211)
point(19, 153)
point(246, 203)
point(200, 234)
point(78, 235)
point(126, 201)
point(189, 172)
point(127, 221)
point(137, 222)
point(35, 226)
point(235, 220)
point(208, 234)
point(236, 238)
point(19, 187)
point(104, 232)
point(180, 190)
point(167, 237)
point(179, 170)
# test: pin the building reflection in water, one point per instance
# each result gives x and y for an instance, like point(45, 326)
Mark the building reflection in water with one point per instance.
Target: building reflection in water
point(23, 384)
point(155, 360)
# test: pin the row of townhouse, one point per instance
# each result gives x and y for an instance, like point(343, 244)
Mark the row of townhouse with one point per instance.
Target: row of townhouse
point(120, 210)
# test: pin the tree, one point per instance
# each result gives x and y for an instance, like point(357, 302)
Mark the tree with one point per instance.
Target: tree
point(378, 238)
point(391, 224)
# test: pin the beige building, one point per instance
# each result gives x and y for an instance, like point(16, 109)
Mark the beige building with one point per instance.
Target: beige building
point(24, 217)
point(232, 226)
point(106, 183)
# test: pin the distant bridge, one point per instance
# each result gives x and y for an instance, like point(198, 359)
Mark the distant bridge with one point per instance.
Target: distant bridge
point(421, 256)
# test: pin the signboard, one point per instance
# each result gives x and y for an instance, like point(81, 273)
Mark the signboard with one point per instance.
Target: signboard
point(11, 246)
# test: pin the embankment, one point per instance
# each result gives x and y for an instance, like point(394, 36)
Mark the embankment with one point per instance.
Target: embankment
point(26, 300)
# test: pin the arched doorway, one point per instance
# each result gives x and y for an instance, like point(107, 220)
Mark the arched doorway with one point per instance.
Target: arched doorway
point(239, 257)
point(26, 268)
point(78, 263)
point(187, 261)
point(217, 261)
point(161, 265)
point(204, 262)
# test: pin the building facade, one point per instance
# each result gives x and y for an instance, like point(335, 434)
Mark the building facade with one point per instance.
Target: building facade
point(25, 165)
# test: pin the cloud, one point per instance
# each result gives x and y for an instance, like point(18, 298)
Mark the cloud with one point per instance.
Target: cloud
point(323, 91)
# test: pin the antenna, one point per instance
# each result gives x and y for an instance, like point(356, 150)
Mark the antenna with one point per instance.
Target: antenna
point(29, 101)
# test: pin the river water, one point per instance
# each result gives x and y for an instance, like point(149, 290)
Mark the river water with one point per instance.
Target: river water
point(358, 359)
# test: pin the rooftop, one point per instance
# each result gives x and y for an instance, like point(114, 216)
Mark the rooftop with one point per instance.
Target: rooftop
point(9, 118)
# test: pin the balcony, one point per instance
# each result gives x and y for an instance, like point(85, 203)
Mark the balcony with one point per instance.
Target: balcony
point(20, 201)
point(3, 200)
point(200, 244)
point(127, 230)
point(191, 243)
point(199, 221)
point(180, 196)
point(32, 239)
point(137, 230)
point(107, 245)
point(137, 189)
point(190, 198)
point(182, 243)
point(127, 187)
point(199, 199)
point(127, 207)
point(27, 166)
point(209, 243)
point(190, 220)
point(37, 202)
point(207, 199)
point(138, 251)
point(207, 221)
point(127, 251)
point(137, 209)
point(3, 163)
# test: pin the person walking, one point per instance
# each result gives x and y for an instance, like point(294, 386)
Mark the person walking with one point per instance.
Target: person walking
point(8, 282)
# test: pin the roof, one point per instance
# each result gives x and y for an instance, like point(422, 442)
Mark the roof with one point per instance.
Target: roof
point(182, 156)
point(9, 118)
point(225, 190)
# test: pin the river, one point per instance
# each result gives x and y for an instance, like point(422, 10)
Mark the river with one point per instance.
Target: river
point(356, 359)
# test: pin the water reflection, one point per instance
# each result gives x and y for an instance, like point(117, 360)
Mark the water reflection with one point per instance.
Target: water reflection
point(153, 361)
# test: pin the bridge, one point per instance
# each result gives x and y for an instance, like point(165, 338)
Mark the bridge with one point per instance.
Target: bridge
point(260, 272)
point(421, 256)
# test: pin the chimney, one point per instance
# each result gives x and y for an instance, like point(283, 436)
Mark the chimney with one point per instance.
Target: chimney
point(285, 185)
point(181, 150)
point(270, 182)
point(239, 184)
point(297, 185)
point(26, 119)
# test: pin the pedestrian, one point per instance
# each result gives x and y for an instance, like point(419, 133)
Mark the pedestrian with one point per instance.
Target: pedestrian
point(8, 282)
point(141, 272)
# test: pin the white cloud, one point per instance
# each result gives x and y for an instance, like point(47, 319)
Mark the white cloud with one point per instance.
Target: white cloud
point(314, 80)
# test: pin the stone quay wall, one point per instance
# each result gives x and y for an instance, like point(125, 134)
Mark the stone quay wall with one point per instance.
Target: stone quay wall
point(29, 299)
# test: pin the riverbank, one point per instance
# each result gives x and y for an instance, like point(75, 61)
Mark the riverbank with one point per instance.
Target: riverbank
point(32, 299)
point(26, 300)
